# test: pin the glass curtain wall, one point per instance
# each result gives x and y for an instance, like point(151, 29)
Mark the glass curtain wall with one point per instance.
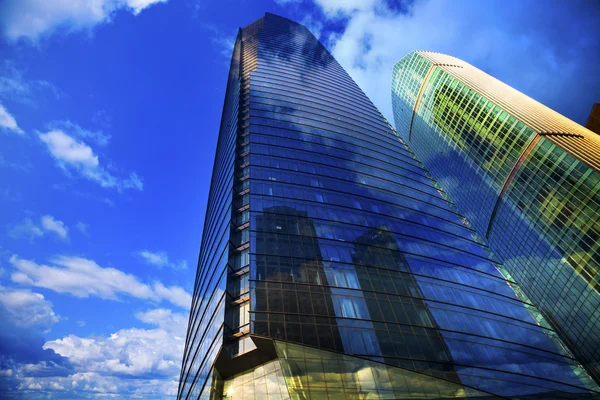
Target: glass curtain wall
point(363, 280)
point(526, 177)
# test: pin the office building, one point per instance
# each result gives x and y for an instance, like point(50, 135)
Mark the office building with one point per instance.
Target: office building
point(332, 267)
point(527, 178)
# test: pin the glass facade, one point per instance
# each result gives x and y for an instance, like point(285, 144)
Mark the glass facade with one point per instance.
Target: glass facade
point(344, 272)
point(527, 178)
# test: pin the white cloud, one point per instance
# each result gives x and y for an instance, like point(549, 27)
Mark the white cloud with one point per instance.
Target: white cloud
point(129, 363)
point(98, 136)
point(35, 18)
point(26, 228)
point(286, 2)
point(141, 362)
point(66, 149)
point(71, 154)
point(54, 225)
point(14, 87)
point(93, 385)
point(314, 25)
point(337, 8)
point(84, 278)
point(138, 5)
point(160, 259)
point(82, 227)
point(8, 122)
point(26, 309)
point(225, 45)
point(29, 229)
point(79, 277)
point(130, 351)
point(173, 294)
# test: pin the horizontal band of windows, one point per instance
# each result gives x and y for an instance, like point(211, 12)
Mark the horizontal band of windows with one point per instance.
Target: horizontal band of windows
point(306, 206)
point(258, 93)
point(320, 61)
point(269, 66)
point(317, 60)
point(273, 190)
point(400, 334)
point(378, 137)
point(406, 202)
point(262, 89)
point(377, 174)
point(288, 40)
point(276, 153)
point(342, 226)
point(480, 276)
point(322, 77)
point(275, 148)
point(317, 81)
point(340, 98)
point(378, 270)
point(332, 181)
point(292, 65)
point(268, 131)
point(450, 255)
point(379, 141)
point(289, 114)
point(430, 280)
point(431, 303)
point(486, 376)
point(290, 120)
point(257, 101)
point(351, 208)
point(314, 320)
point(327, 87)
point(421, 365)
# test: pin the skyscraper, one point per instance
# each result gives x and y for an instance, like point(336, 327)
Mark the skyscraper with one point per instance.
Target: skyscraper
point(332, 267)
point(525, 176)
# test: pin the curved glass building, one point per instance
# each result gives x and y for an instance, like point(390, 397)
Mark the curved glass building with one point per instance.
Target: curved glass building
point(331, 266)
point(525, 176)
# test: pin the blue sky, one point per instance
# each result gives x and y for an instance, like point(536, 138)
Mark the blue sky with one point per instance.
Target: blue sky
point(109, 113)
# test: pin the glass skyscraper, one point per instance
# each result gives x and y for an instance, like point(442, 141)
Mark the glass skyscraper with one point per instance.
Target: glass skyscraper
point(526, 177)
point(331, 266)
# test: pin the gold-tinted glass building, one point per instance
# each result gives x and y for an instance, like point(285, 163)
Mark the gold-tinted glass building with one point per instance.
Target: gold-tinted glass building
point(526, 177)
